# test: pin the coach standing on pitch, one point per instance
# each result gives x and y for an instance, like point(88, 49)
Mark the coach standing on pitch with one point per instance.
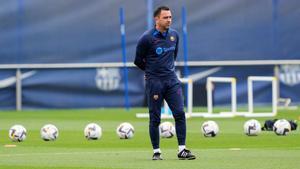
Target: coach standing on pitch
point(156, 53)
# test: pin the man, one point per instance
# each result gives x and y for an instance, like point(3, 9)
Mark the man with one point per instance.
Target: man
point(155, 54)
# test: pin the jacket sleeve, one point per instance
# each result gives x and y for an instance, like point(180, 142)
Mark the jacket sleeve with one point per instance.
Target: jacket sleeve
point(176, 48)
point(140, 55)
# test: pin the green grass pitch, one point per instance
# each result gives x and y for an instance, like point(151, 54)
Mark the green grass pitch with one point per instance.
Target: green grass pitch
point(231, 149)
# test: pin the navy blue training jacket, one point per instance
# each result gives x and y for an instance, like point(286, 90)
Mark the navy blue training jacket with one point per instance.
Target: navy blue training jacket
point(156, 53)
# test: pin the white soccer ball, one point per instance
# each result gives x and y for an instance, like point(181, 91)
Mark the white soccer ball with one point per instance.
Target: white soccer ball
point(17, 133)
point(166, 130)
point(252, 127)
point(125, 130)
point(92, 131)
point(282, 127)
point(49, 132)
point(210, 128)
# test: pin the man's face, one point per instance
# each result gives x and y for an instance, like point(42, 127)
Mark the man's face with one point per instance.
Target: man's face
point(164, 20)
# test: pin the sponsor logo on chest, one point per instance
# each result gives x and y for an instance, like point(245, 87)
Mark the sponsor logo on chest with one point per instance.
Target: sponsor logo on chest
point(161, 50)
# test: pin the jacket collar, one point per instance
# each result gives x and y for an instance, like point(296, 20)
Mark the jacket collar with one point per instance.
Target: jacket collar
point(158, 33)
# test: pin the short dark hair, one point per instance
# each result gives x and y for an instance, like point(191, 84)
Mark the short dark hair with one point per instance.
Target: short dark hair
point(159, 9)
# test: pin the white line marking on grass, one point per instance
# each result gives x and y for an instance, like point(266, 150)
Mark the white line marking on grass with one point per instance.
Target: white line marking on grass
point(9, 145)
point(235, 149)
point(68, 153)
point(140, 151)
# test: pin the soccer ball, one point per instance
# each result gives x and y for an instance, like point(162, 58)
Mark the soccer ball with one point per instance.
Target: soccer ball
point(282, 127)
point(166, 130)
point(210, 129)
point(49, 132)
point(17, 133)
point(252, 127)
point(92, 131)
point(125, 131)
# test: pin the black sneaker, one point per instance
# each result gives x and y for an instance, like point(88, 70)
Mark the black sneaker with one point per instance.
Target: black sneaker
point(186, 155)
point(157, 156)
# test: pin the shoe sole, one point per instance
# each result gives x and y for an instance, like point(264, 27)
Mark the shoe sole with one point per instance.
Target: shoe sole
point(191, 158)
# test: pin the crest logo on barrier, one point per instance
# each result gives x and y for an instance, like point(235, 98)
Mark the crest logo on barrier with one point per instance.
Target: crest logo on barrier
point(108, 79)
point(289, 74)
